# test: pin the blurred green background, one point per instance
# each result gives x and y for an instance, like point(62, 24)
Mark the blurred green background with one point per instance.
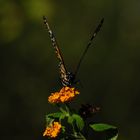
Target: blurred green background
point(29, 73)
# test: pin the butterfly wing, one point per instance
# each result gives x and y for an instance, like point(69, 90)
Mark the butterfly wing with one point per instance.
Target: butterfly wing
point(89, 44)
point(62, 68)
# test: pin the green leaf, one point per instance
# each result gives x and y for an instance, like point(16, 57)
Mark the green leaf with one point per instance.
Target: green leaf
point(55, 115)
point(63, 129)
point(110, 130)
point(115, 137)
point(62, 117)
point(70, 119)
point(79, 121)
point(102, 127)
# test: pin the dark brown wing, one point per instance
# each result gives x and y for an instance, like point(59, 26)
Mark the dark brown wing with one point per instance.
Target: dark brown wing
point(62, 68)
point(89, 44)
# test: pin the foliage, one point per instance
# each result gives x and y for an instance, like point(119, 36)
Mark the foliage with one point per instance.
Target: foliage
point(74, 125)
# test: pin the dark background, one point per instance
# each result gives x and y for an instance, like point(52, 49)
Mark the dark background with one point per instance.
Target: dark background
point(28, 66)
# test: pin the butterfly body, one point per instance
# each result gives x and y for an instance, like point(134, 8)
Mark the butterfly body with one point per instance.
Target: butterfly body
point(69, 80)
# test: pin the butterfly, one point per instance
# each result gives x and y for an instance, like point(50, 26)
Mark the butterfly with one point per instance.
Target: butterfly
point(68, 78)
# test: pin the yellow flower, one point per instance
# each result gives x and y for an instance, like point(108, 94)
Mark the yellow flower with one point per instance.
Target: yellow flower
point(64, 95)
point(53, 130)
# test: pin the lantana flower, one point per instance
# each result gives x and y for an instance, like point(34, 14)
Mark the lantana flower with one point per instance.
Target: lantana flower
point(53, 130)
point(64, 95)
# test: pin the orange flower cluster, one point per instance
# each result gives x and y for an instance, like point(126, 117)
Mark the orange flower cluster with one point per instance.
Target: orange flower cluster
point(64, 95)
point(53, 130)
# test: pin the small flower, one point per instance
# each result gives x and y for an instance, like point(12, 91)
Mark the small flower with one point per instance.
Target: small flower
point(64, 95)
point(53, 130)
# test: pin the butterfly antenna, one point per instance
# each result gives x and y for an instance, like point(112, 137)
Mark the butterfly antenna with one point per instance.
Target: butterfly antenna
point(89, 44)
